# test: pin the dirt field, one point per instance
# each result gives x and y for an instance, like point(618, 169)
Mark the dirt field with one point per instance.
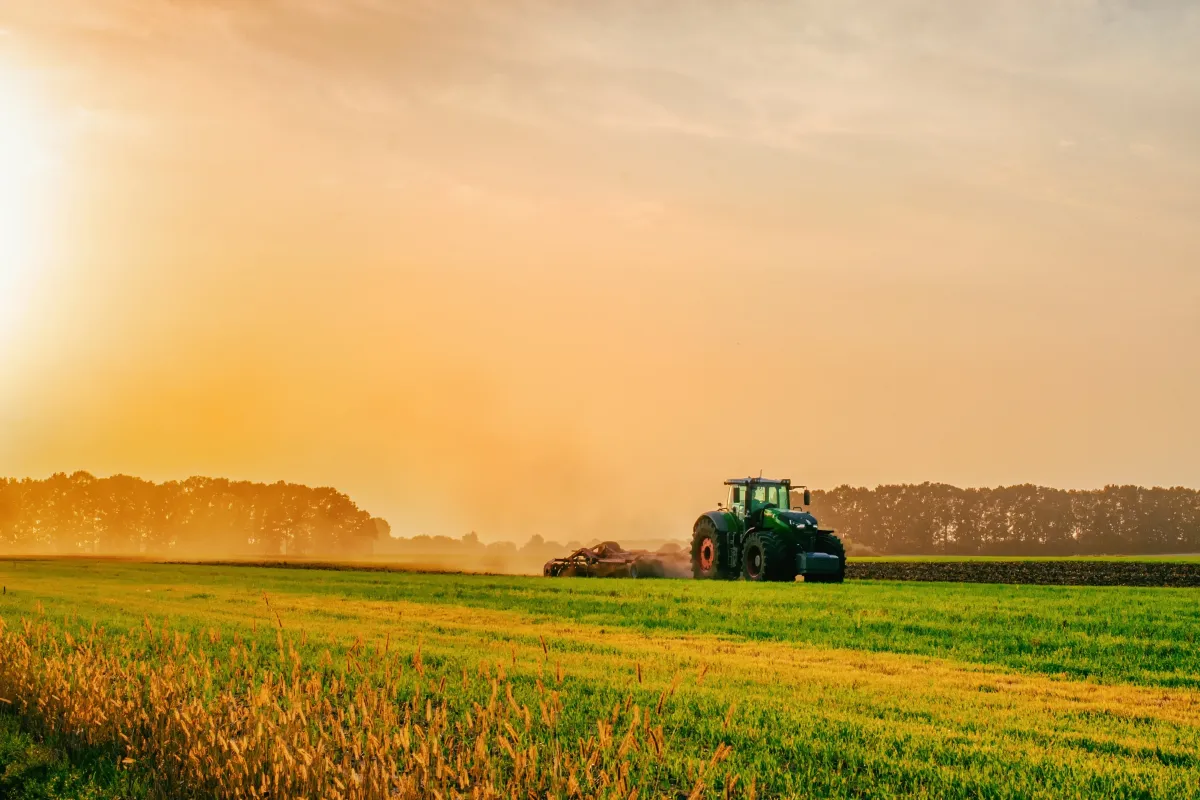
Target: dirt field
point(1177, 571)
point(1061, 573)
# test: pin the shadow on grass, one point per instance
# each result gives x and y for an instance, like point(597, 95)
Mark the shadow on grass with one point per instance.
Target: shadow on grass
point(35, 770)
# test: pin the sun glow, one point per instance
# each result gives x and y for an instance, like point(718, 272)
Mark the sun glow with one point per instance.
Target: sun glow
point(24, 174)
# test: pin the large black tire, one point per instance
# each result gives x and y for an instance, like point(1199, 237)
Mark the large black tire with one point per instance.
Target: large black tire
point(765, 558)
point(709, 559)
point(787, 562)
point(827, 542)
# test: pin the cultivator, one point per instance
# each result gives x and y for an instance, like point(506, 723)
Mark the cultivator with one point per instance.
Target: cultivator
point(610, 560)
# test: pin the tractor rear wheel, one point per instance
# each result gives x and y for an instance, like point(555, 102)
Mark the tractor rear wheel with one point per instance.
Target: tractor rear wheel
point(765, 558)
point(709, 558)
point(829, 543)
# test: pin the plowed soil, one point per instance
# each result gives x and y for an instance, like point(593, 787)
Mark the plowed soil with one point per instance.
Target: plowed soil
point(1062, 573)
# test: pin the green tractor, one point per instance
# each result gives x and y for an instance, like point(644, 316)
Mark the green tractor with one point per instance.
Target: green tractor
point(758, 536)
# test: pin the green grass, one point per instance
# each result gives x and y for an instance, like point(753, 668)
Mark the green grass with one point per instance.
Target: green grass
point(863, 689)
point(34, 770)
point(1053, 630)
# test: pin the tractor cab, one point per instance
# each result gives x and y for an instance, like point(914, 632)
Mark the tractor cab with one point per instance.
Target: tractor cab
point(751, 496)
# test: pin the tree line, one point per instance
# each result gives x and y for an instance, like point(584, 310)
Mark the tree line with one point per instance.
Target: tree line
point(122, 515)
point(938, 519)
point(469, 553)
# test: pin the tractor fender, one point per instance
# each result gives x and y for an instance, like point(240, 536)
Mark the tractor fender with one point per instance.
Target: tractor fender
point(719, 519)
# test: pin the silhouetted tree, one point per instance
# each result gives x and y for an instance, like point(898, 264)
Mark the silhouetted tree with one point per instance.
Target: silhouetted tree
point(1014, 520)
point(200, 516)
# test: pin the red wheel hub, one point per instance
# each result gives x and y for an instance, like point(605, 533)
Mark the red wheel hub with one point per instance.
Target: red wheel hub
point(754, 562)
point(708, 554)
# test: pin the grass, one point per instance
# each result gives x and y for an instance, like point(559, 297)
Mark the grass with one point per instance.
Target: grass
point(32, 770)
point(1060, 631)
point(868, 689)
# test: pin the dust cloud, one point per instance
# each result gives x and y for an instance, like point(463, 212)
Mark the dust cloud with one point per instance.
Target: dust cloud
point(431, 444)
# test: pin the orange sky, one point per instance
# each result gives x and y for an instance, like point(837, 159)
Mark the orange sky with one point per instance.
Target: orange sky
point(561, 267)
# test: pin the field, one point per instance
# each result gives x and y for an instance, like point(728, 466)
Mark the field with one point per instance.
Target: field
point(1178, 571)
point(600, 688)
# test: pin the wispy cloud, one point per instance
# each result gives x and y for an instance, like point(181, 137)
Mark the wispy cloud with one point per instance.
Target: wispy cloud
point(591, 208)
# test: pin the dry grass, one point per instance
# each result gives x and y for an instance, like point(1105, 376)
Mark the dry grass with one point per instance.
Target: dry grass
point(196, 725)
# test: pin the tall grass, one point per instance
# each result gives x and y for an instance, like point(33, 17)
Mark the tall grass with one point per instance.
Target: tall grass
point(195, 725)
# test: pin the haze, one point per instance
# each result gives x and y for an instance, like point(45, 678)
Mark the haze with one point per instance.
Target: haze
point(561, 267)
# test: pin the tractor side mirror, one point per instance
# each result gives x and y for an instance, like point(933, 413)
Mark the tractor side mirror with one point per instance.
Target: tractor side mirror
point(807, 497)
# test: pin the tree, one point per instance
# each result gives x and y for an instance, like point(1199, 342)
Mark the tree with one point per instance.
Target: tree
point(1013, 520)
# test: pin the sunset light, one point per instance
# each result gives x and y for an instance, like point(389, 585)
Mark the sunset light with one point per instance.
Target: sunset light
point(599, 400)
point(24, 168)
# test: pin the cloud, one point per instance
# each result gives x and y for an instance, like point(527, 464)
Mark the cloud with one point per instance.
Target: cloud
point(980, 95)
point(564, 200)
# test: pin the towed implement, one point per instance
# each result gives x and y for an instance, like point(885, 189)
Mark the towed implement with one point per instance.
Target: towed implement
point(610, 560)
point(758, 536)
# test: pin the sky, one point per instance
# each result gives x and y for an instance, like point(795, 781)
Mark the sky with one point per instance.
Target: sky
point(540, 266)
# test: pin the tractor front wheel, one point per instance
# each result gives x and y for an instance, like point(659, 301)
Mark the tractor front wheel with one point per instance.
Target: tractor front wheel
point(708, 556)
point(765, 558)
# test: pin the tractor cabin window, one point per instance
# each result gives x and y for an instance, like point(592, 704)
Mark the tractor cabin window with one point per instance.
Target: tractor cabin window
point(737, 499)
point(769, 497)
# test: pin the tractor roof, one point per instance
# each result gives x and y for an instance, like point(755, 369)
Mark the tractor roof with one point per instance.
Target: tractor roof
point(758, 482)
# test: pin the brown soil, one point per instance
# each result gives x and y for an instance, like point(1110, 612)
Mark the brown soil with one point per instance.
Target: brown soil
point(1062, 573)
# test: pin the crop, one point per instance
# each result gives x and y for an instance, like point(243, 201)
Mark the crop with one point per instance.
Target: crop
point(1143, 636)
point(865, 689)
point(197, 725)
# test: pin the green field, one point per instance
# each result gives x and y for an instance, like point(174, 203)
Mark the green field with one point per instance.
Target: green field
point(863, 689)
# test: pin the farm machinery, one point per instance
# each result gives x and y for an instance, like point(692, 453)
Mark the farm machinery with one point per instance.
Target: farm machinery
point(759, 536)
point(756, 535)
point(610, 560)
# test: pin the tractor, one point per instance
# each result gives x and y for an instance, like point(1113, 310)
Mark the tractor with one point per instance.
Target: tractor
point(757, 535)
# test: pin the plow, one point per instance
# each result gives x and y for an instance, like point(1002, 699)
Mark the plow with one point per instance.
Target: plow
point(756, 535)
point(610, 560)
